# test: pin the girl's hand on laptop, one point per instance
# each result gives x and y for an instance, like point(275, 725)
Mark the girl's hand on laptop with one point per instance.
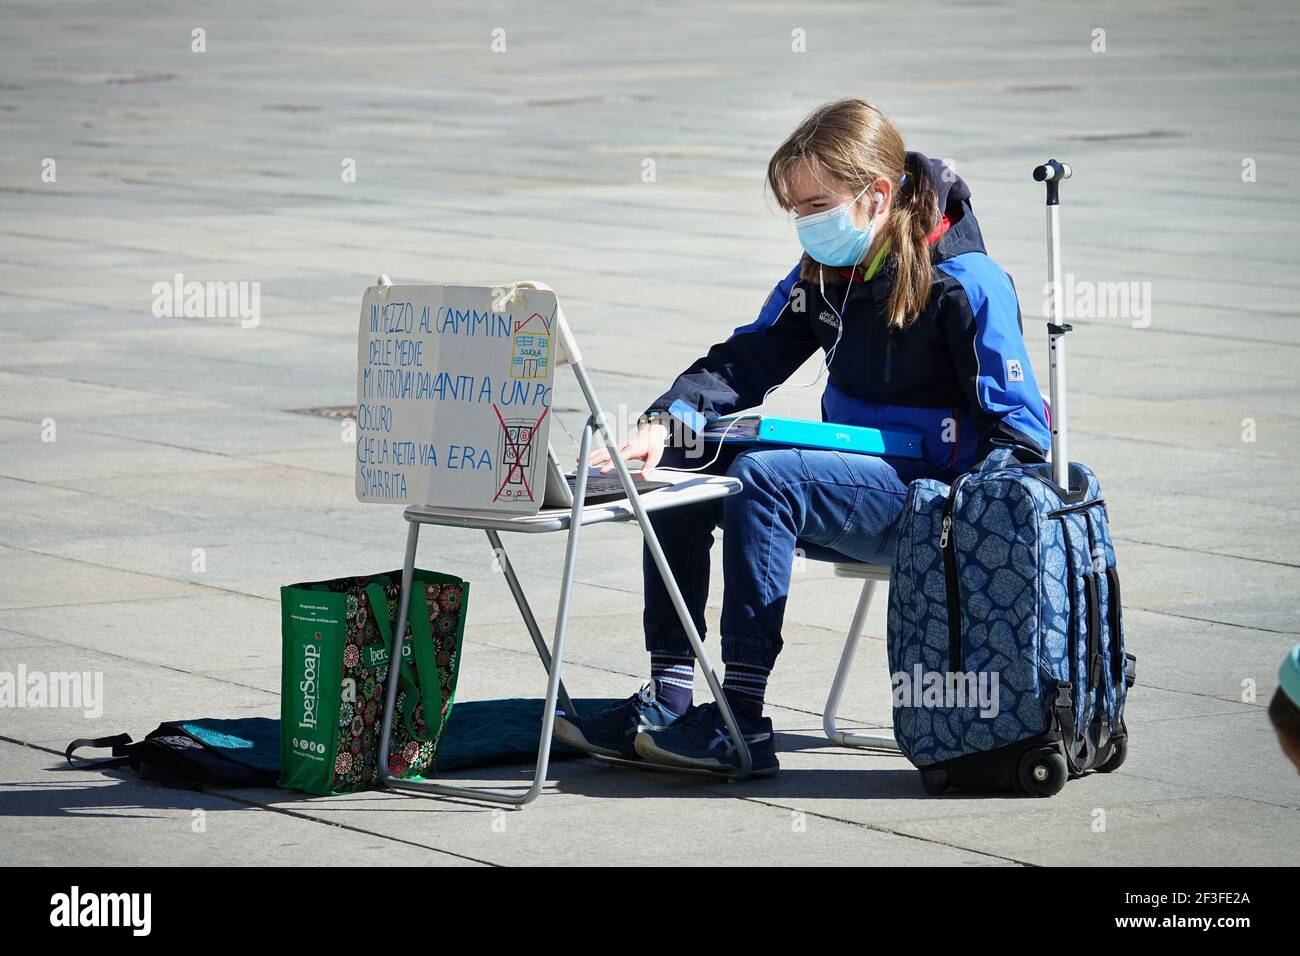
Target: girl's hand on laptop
point(646, 446)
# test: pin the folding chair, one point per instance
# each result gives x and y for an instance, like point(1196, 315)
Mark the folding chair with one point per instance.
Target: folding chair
point(870, 575)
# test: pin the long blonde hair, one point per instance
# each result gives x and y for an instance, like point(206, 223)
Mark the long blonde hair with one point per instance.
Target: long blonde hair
point(853, 142)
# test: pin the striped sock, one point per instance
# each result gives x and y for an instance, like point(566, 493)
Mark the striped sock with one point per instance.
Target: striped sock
point(674, 677)
point(745, 685)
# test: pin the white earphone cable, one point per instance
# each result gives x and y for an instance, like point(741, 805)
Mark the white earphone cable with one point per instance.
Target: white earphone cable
point(826, 364)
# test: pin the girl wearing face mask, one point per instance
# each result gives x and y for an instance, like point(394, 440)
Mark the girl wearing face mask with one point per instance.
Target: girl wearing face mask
point(921, 333)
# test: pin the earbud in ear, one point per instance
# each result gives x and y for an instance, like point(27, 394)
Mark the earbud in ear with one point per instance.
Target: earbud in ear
point(880, 199)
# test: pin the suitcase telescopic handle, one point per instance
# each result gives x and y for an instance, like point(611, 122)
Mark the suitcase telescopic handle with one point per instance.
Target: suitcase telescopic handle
point(1053, 173)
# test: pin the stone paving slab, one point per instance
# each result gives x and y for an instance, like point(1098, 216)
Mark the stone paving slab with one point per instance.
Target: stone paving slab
point(1133, 835)
point(54, 814)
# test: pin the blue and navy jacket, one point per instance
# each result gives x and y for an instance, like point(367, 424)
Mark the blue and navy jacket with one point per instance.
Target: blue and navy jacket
point(959, 376)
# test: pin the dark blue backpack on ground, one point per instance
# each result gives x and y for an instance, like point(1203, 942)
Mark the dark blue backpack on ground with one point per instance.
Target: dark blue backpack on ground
point(1009, 583)
point(245, 751)
point(192, 754)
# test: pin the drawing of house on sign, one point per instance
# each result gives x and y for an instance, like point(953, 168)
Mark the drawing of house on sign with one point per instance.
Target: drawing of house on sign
point(532, 347)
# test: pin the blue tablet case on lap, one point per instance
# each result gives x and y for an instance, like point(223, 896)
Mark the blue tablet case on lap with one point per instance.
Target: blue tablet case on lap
point(801, 433)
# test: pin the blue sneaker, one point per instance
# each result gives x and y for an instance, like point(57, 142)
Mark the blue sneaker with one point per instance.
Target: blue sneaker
point(612, 733)
point(700, 741)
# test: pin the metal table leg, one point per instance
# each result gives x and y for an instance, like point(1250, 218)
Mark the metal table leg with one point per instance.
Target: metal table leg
point(492, 795)
point(670, 583)
point(526, 612)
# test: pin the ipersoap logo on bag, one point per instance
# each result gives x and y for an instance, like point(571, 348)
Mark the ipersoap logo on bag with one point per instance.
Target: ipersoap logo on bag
point(309, 685)
point(377, 654)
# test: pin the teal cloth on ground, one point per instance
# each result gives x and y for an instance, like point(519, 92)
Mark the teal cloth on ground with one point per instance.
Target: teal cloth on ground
point(480, 733)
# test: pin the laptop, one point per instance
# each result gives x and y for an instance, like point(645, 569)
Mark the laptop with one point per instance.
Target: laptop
point(600, 488)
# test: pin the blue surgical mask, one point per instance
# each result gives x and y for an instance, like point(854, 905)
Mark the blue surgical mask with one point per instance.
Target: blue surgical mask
point(831, 238)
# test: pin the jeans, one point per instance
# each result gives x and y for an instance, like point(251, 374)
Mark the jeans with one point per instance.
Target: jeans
point(832, 505)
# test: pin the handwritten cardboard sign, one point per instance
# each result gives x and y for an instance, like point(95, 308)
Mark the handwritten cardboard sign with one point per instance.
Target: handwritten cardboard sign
point(453, 398)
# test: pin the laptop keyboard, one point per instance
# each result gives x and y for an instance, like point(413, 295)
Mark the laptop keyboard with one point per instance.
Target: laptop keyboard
point(611, 486)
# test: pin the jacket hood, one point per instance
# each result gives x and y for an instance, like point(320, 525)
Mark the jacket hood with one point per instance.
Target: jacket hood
point(950, 188)
point(953, 196)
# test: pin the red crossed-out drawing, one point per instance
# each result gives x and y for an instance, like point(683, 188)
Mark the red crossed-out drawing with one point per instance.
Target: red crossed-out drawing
point(518, 451)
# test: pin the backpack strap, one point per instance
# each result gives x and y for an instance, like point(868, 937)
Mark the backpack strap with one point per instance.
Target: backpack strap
point(1063, 706)
point(1004, 454)
point(119, 743)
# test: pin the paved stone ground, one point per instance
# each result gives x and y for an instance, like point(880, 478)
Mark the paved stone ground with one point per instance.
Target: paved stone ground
point(474, 166)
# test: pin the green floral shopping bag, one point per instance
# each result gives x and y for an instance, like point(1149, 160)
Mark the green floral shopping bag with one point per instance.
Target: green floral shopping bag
point(337, 645)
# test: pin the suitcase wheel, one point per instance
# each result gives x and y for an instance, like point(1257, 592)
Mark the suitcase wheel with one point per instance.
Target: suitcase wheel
point(935, 782)
point(1117, 755)
point(1043, 772)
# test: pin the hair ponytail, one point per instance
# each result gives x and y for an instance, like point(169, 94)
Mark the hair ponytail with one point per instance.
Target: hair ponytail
point(912, 217)
point(854, 143)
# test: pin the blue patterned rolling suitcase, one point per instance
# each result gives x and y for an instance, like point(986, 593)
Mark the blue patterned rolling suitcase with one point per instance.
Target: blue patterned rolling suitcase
point(1006, 631)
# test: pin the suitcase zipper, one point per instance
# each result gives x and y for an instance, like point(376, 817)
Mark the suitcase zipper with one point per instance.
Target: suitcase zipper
point(948, 545)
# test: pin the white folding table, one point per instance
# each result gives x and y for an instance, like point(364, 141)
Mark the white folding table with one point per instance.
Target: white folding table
point(686, 488)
